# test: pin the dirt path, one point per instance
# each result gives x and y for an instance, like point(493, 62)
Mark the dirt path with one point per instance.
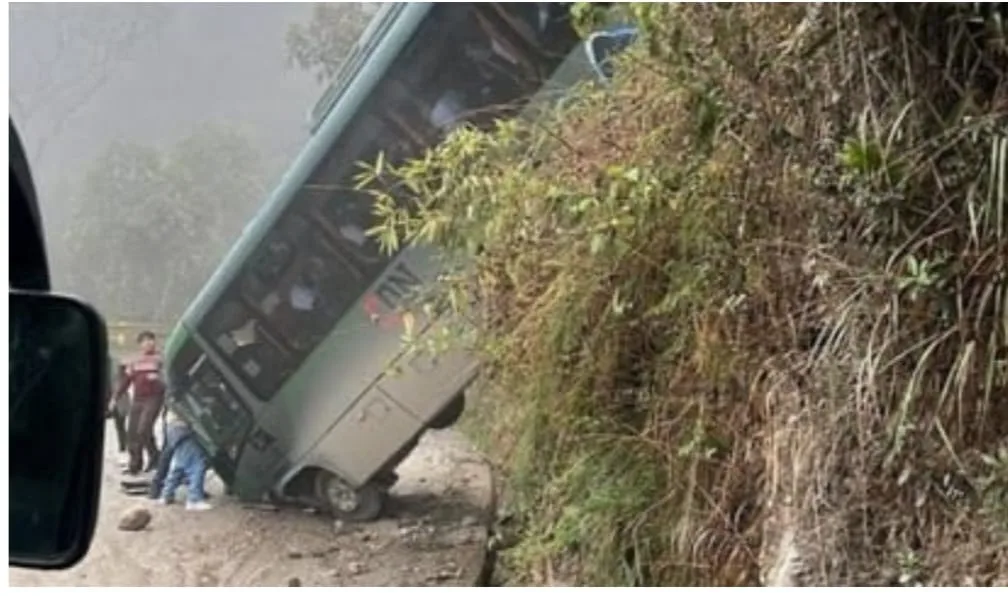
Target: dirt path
point(432, 534)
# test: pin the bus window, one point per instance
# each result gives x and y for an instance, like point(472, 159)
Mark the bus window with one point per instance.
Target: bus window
point(348, 216)
point(407, 113)
point(294, 227)
point(505, 46)
point(448, 111)
point(272, 264)
point(500, 41)
point(427, 96)
point(333, 258)
point(321, 291)
point(345, 213)
point(342, 163)
point(250, 348)
point(310, 304)
point(544, 27)
point(324, 273)
point(271, 260)
point(278, 250)
point(493, 37)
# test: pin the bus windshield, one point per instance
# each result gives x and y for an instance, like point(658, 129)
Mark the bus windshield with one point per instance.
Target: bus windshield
point(216, 413)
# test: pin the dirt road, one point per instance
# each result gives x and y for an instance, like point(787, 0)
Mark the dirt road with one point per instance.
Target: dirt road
point(433, 533)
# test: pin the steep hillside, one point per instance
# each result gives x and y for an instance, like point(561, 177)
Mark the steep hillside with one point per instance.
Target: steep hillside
point(745, 314)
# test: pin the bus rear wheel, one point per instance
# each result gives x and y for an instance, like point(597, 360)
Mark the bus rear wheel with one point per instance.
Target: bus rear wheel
point(345, 502)
point(450, 414)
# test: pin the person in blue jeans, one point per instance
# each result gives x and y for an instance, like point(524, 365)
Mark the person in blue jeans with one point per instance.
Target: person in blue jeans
point(175, 429)
point(189, 464)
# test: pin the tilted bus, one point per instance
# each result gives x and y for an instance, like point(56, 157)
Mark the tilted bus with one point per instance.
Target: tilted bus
point(282, 364)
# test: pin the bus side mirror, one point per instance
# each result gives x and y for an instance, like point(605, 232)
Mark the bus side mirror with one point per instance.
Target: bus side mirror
point(602, 46)
point(59, 367)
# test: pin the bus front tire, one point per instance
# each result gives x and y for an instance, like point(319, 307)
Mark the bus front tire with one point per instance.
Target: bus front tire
point(346, 503)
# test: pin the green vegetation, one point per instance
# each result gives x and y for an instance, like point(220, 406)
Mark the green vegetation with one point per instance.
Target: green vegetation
point(745, 314)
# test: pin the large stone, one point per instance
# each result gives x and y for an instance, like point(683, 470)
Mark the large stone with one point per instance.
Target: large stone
point(135, 520)
point(356, 568)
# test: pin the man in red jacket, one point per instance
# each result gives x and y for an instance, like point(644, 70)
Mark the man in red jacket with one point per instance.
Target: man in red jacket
point(147, 379)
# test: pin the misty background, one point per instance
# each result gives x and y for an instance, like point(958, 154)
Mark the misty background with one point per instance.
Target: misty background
point(155, 131)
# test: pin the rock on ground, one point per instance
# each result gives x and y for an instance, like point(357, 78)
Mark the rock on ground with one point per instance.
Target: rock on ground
point(135, 519)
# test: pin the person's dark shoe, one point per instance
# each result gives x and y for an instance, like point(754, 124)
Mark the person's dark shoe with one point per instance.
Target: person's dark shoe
point(152, 463)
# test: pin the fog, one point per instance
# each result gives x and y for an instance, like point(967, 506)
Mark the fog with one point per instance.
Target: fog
point(85, 76)
point(191, 63)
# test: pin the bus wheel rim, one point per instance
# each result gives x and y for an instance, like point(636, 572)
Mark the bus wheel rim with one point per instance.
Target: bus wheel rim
point(340, 495)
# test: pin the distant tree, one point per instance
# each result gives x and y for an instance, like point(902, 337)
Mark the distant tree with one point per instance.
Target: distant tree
point(150, 226)
point(321, 45)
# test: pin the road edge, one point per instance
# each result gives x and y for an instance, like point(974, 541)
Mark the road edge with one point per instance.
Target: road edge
point(476, 568)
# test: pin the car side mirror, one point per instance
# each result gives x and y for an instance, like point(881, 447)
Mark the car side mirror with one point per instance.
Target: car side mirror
point(59, 368)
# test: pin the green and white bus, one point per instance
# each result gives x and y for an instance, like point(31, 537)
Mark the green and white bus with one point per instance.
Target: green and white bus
point(280, 363)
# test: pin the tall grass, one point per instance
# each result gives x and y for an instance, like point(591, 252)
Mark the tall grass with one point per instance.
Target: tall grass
point(744, 315)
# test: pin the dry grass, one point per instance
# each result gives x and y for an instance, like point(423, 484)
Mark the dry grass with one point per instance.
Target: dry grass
point(750, 314)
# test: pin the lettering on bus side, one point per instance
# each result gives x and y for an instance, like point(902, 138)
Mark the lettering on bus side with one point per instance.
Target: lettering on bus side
point(398, 285)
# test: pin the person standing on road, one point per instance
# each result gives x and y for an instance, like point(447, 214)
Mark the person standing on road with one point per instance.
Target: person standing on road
point(119, 410)
point(146, 378)
point(188, 464)
point(176, 430)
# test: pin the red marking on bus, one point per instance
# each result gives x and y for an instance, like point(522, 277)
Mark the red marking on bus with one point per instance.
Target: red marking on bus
point(373, 308)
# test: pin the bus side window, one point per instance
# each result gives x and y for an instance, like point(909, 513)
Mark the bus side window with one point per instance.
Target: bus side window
point(248, 347)
point(294, 227)
point(502, 38)
point(543, 27)
point(271, 265)
point(319, 293)
point(343, 211)
point(405, 110)
point(350, 216)
point(322, 272)
point(497, 72)
point(272, 259)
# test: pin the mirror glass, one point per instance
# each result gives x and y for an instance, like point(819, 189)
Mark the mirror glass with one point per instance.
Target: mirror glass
point(58, 363)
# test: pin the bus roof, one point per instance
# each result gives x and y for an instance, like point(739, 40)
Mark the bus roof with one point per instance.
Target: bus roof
point(380, 44)
point(354, 61)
